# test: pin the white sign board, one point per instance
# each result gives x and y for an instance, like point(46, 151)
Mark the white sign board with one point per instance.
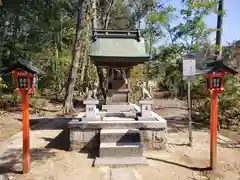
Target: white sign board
point(189, 67)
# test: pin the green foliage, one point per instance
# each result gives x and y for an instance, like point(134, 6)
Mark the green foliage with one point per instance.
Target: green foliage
point(166, 64)
point(189, 35)
point(2, 85)
point(42, 32)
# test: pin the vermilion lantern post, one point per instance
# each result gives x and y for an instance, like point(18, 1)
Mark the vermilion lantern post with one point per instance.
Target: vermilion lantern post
point(214, 74)
point(215, 86)
point(24, 74)
point(24, 81)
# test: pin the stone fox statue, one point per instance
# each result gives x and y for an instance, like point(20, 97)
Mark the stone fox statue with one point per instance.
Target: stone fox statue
point(93, 93)
point(145, 93)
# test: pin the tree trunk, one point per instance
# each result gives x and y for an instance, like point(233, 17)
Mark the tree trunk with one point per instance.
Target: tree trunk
point(85, 51)
point(106, 22)
point(3, 33)
point(99, 70)
point(85, 46)
point(105, 26)
point(68, 102)
point(84, 62)
point(219, 30)
point(55, 55)
point(101, 81)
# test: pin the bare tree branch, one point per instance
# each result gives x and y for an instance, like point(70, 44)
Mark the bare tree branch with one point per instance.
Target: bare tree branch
point(106, 22)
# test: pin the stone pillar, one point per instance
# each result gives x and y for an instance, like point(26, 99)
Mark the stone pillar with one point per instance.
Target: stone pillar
point(146, 109)
point(91, 110)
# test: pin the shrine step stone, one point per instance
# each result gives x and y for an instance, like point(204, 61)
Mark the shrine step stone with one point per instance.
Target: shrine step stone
point(120, 136)
point(121, 149)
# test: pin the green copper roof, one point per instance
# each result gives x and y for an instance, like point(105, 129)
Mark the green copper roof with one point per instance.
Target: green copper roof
point(116, 47)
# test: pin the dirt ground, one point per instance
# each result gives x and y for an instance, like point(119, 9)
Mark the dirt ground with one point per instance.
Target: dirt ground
point(191, 163)
point(9, 125)
point(50, 159)
point(11, 119)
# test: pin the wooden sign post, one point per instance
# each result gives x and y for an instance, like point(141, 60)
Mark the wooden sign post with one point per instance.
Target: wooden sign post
point(189, 71)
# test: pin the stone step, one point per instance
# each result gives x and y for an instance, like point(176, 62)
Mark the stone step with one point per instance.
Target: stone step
point(115, 162)
point(120, 149)
point(119, 135)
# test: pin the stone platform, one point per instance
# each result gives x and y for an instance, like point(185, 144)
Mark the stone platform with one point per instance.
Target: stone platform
point(85, 135)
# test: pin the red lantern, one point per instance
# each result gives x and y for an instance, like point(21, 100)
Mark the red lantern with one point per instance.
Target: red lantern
point(215, 82)
point(25, 81)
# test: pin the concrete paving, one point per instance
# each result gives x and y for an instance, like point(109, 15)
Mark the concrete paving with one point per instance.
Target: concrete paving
point(122, 174)
point(120, 162)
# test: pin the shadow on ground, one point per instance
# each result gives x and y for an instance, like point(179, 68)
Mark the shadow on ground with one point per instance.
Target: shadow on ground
point(45, 123)
point(11, 161)
point(230, 145)
point(180, 165)
point(60, 142)
point(179, 144)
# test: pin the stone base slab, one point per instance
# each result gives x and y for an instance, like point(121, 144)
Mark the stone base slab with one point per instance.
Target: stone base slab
point(146, 101)
point(145, 118)
point(117, 114)
point(119, 108)
point(142, 125)
point(97, 118)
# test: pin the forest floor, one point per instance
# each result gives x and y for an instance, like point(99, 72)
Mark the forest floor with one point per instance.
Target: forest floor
point(50, 159)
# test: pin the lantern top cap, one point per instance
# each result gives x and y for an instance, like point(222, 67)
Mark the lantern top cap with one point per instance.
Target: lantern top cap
point(22, 64)
point(215, 66)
